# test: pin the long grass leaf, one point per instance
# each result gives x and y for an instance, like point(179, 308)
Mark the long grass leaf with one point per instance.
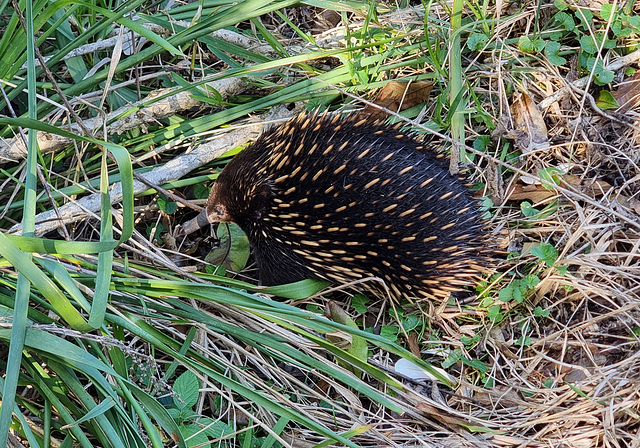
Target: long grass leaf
point(23, 288)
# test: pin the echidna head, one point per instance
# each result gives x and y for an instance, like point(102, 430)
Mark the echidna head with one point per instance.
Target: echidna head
point(232, 200)
point(217, 209)
point(241, 195)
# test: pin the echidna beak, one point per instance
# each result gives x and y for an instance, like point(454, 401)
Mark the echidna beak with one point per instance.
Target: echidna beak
point(194, 224)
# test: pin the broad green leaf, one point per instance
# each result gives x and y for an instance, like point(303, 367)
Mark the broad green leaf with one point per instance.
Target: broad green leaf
point(495, 314)
point(167, 205)
point(606, 11)
point(565, 20)
point(187, 388)
point(477, 41)
point(233, 251)
point(546, 252)
point(605, 100)
point(550, 175)
point(530, 46)
point(551, 50)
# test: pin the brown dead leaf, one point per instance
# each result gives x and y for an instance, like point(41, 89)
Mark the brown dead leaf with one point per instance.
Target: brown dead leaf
point(169, 241)
point(397, 96)
point(628, 93)
point(494, 181)
point(325, 21)
point(412, 340)
point(631, 203)
point(530, 129)
point(594, 188)
point(535, 193)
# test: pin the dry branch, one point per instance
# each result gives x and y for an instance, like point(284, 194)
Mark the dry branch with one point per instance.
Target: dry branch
point(13, 150)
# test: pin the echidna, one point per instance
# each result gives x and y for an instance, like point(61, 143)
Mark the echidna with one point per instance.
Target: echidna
point(341, 199)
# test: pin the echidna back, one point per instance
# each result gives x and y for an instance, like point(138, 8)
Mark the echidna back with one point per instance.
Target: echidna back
point(343, 200)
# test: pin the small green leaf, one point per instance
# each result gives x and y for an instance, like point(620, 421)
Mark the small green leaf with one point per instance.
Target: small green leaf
point(586, 17)
point(551, 52)
point(620, 30)
point(186, 387)
point(359, 303)
point(495, 313)
point(454, 357)
point(233, 252)
point(200, 191)
point(531, 280)
point(606, 11)
point(546, 252)
point(196, 437)
point(478, 365)
point(528, 46)
point(539, 312)
point(486, 203)
point(389, 332)
point(562, 6)
point(469, 342)
point(519, 293)
point(156, 230)
point(603, 77)
point(565, 20)
point(591, 44)
point(175, 414)
point(550, 175)
point(633, 22)
point(605, 100)
point(523, 341)
point(477, 41)
point(166, 205)
point(215, 428)
point(215, 270)
point(528, 209)
point(587, 44)
point(410, 322)
point(482, 142)
point(489, 383)
point(556, 36)
point(506, 293)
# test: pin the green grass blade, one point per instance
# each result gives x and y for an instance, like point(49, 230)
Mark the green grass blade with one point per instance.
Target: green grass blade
point(23, 290)
point(456, 84)
point(23, 263)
